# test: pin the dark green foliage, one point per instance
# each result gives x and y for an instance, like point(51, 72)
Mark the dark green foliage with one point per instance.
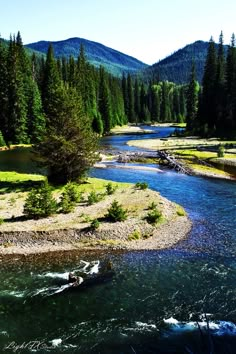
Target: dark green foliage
point(221, 151)
point(69, 147)
point(177, 67)
point(192, 100)
point(71, 189)
point(141, 185)
point(130, 105)
point(110, 189)
point(97, 124)
point(2, 141)
point(51, 84)
point(66, 205)
point(153, 216)
point(94, 197)
point(152, 206)
point(116, 212)
point(95, 224)
point(40, 202)
point(70, 197)
point(104, 105)
point(217, 103)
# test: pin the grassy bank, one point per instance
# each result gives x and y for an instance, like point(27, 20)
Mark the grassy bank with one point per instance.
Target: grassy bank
point(200, 155)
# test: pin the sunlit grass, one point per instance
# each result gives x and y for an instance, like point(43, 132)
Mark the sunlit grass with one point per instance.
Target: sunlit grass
point(15, 177)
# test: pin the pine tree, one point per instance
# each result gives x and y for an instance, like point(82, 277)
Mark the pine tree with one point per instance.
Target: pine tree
point(69, 148)
point(192, 100)
point(36, 117)
point(51, 84)
point(125, 93)
point(130, 108)
point(230, 123)
point(220, 96)
point(17, 95)
point(3, 91)
point(104, 102)
point(207, 110)
point(164, 110)
point(136, 100)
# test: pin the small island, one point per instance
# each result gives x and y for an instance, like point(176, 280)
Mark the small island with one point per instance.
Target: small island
point(150, 222)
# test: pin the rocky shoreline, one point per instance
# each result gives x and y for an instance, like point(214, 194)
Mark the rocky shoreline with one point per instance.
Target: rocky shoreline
point(40, 236)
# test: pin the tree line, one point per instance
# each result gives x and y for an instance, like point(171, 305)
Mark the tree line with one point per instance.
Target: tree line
point(211, 109)
point(62, 106)
point(29, 90)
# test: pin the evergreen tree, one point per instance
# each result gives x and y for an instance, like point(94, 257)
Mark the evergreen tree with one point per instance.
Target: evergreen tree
point(220, 97)
point(230, 123)
point(36, 120)
point(130, 108)
point(164, 110)
point(84, 84)
point(17, 97)
point(136, 100)
point(192, 100)
point(104, 102)
point(207, 109)
point(51, 84)
point(125, 94)
point(3, 91)
point(69, 148)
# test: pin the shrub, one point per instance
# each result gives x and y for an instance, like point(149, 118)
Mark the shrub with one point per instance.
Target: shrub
point(69, 198)
point(152, 206)
point(71, 190)
point(2, 141)
point(110, 189)
point(40, 202)
point(221, 151)
point(153, 216)
point(95, 224)
point(94, 197)
point(1, 221)
point(141, 185)
point(135, 235)
point(180, 210)
point(116, 212)
point(66, 204)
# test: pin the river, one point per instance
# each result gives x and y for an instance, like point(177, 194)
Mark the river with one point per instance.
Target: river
point(181, 300)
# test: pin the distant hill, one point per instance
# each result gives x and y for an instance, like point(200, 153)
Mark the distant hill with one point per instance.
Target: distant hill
point(97, 54)
point(177, 66)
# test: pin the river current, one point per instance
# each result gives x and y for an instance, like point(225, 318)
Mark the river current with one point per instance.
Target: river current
point(181, 300)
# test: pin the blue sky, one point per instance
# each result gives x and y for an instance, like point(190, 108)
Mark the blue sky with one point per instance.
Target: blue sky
point(149, 30)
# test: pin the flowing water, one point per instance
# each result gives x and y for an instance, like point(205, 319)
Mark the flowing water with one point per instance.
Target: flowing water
point(181, 300)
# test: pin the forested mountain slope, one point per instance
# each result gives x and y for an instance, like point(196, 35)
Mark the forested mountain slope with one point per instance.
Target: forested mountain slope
point(97, 54)
point(177, 67)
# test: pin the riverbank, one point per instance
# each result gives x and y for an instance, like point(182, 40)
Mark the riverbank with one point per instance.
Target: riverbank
point(73, 231)
point(198, 155)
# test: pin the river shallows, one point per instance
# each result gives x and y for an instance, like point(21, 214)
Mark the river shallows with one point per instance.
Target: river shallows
point(157, 301)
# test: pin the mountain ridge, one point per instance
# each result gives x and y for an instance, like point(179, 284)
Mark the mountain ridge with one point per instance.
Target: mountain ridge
point(177, 66)
point(97, 54)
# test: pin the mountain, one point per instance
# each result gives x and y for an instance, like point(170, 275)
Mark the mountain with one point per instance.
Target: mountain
point(177, 66)
point(97, 54)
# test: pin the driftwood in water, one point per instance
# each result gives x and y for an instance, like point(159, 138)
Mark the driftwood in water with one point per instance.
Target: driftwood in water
point(172, 162)
point(125, 157)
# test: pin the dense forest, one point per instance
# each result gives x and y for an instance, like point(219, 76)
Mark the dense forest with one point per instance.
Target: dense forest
point(36, 92)
point(29, 89)
point(212, 109)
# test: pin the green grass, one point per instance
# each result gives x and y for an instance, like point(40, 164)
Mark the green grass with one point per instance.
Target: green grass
point(180, 210)
point(202, 155)
point(96, 184)
point(18, 182)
